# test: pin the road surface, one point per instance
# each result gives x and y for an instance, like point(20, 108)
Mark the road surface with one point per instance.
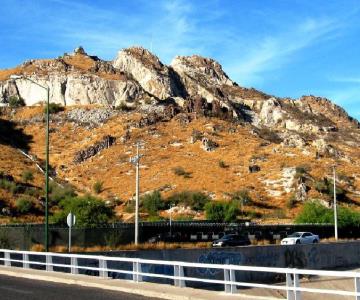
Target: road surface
point(14, 288)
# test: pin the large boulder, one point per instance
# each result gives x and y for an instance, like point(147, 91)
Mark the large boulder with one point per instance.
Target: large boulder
point(146, 68)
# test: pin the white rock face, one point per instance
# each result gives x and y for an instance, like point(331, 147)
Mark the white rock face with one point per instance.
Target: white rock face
point(200, 76)
point(71, 89)
point(146, 68)
point(271, 113)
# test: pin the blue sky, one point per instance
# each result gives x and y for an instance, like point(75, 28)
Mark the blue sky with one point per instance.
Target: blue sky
point(283, 47)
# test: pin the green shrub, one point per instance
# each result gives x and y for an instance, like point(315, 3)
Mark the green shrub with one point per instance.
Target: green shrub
point(327, 187)
point(98, 187)
point(302, 170)
point(181, 172)
point(54, 108)
point(242, 197)
point(222, 164)
point(10, 186)
point(152, 203)
point(27, 176)
point(24, 205)
point(130, 207)
point(314, 212)
point(58, 193)
point(221, 211)
point(89, 211)
point(196, 200)
point(15, 101)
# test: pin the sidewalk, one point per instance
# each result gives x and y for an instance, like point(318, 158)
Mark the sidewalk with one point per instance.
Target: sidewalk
point(161, 291)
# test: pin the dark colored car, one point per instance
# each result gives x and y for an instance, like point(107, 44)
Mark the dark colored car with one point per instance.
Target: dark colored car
point(232, 240)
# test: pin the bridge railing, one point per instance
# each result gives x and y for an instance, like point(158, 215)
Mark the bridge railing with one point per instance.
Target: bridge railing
point(134, 269)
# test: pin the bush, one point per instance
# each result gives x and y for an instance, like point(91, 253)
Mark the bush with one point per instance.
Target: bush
point(327, 187)
point(181, 172)
point(291, 202)
point(27, 176)
point(242, 197)
point(9, 186)
point(89, 211)
point(152, 203)
point(196, 200)
point(130, 207)
point(58, 193)
point(15, 101)
point(24, 205)
point(314, 212)
point(222, 164)
point(54, 108)
point(98, 187)
point(221, 211)
point(302, 170)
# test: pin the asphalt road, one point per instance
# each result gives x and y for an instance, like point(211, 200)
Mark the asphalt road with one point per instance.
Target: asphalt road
point(14, 288)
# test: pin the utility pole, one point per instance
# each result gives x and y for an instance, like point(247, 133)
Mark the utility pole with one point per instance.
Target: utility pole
point(135, 160)
point(335, 207)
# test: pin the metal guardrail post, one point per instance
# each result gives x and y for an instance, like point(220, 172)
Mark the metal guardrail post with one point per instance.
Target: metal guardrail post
point(26, 264)
point(297, 294)
point(357, 288)
point(74, 265)
point(289, 285)
point(178, 273)
point(137, 268)
point(7, 261)
point(229, 276)
point(103, 265)
point(49, 266)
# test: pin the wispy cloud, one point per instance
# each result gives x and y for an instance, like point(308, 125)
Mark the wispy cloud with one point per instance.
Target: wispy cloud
point(273, 51)
point(344, 79)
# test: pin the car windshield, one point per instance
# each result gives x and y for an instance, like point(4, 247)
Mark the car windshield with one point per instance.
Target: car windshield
point(295, 234)
point(228, 237)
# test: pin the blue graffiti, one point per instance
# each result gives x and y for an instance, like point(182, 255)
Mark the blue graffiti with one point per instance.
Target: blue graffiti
point(217, 257)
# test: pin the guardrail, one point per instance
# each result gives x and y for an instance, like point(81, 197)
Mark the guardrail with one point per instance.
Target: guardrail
point(134, 269)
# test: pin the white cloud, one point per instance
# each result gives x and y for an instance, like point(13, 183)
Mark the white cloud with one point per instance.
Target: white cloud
point(273, 51)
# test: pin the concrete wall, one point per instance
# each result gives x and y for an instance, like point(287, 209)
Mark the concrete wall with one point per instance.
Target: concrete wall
point(317, 256)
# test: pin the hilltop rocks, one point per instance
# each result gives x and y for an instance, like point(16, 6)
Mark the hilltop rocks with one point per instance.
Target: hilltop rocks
point(83, 155)
point(73, 89)
point(154, 77)
point(93, 117)
point(208, 145)
point(325, 149)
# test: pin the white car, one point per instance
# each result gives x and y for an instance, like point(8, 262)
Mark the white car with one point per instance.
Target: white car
point(300, 238)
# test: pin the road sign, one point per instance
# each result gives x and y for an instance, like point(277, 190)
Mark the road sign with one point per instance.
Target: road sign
point(71, 219)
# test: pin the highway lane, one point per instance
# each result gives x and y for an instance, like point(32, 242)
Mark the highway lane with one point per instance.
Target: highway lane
point(14, 288)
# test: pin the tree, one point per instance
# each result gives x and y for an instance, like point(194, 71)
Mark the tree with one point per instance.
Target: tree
point(89, 211)
point(152, 203)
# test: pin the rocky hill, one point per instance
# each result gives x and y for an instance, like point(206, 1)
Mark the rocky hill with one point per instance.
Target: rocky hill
point(201, 132)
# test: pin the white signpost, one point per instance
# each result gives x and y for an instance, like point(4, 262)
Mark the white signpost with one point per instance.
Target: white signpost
point(70, 220)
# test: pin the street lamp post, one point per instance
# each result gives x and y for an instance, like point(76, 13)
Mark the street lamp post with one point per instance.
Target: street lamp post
point(135, 160)
point(335, 205)
point(46, 156)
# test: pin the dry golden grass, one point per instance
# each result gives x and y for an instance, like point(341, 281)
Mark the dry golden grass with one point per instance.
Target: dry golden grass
point(112, 167)
point(142, 246)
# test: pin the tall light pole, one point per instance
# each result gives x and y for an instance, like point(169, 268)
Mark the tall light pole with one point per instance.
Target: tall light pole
point(135, 160)
point(335, 206)
point(46, 243)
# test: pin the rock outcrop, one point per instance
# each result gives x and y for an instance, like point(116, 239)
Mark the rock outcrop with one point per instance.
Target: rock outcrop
point(146, 68)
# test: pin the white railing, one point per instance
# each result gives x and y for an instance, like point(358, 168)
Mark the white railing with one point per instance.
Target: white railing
point(136, 270)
